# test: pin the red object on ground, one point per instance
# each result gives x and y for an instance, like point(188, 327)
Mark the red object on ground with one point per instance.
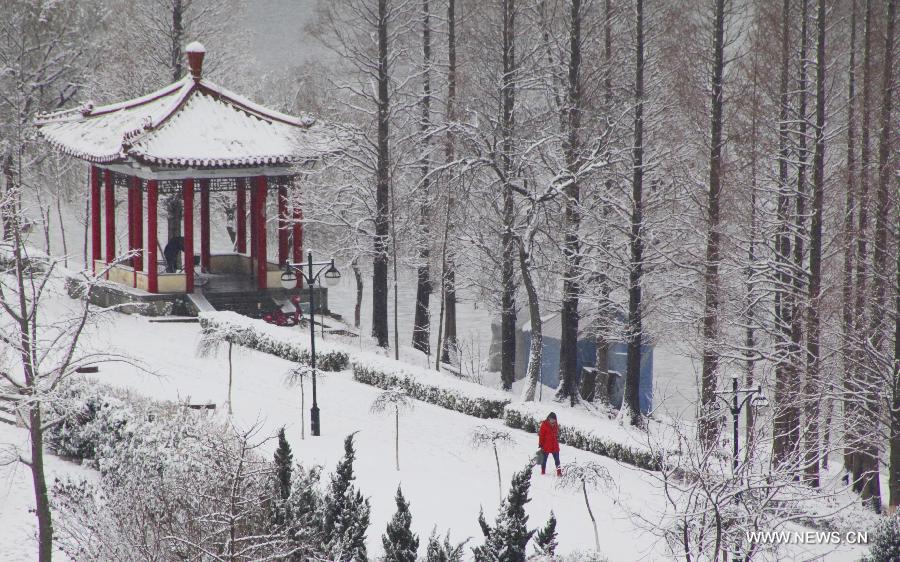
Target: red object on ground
point(548, 437)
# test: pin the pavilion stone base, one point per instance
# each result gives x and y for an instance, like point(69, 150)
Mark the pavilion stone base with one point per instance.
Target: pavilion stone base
point(132, 301)
point(129, 300)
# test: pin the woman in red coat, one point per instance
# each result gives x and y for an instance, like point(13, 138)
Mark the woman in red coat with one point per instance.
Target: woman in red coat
point(548, 441)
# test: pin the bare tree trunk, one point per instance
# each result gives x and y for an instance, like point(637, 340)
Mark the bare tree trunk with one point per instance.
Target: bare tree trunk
point(302, 410)
point(635, 329)
point(230, 372)
point(850, 235)
point(861, 459)
point(881, 269)
point(894, 466)
point(535, 352)
point(499, 477)
point(62, 229)
point(799, 273)
point(42, 501)
point(750, 351)
point(710, 370)
point(569, 317)
point(357, 308)
point(605, 317)
point(507, 272)
point(442, 348)
point(450, 345)
point(397, 436)
point(173, 203)
point(813, 367)
point(591, 514)
point(421, 326)
point(382, 185)
point(7, 209)
point(26, 320)
point(784, 374)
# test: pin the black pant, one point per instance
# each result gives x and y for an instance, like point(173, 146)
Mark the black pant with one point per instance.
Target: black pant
point(544, 457)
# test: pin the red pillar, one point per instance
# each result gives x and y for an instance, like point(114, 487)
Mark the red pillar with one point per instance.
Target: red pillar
point(96, 252)
point(129, 220)
point(152, 269)
point(241, 217)
point(187, 194)
point(298, 239)
point(138, 225)
point(129, 213)
point(253, 215)
point(204, 226)
point(110, 204)
point(282, 225)
point(261, 261)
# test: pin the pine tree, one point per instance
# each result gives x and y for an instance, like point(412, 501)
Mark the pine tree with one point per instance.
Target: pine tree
point(400, 543)
point(305, 510)
point(284, 458)
point(438, 551)
point(346, 512)
point(545, 539)
point(507, 541)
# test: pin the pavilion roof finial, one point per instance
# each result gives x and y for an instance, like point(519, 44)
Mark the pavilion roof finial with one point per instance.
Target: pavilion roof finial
point(195, 52)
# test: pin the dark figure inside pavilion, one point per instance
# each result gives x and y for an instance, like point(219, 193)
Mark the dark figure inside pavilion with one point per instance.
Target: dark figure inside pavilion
point(173, 248)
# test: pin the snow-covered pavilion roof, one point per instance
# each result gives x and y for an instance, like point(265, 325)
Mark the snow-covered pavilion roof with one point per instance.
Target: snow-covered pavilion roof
point(192, 123)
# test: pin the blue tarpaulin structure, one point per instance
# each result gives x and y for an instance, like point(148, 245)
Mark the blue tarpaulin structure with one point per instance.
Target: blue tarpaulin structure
point(587, 349)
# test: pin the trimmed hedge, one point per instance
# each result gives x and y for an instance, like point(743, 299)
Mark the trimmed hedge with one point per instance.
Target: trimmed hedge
point(387, 375)
point(586, 441)
point(246, 335)
point(477, 406)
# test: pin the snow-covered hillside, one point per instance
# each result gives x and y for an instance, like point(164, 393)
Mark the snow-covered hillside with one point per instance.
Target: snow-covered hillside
point(444, 478)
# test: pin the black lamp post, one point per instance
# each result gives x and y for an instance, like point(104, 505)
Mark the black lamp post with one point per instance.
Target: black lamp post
point(289, 281)
point(736, 399)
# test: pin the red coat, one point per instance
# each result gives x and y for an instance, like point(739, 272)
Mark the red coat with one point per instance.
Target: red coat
point(548, 437)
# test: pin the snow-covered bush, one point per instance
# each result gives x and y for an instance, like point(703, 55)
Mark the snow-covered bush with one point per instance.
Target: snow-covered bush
point(519, 417)
point(287, 344)
point(177, 485)
point(91, 417)
point(885, 546)
point(433, 390)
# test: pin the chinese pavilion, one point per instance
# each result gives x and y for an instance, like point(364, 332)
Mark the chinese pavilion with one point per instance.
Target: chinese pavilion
point(191, 138)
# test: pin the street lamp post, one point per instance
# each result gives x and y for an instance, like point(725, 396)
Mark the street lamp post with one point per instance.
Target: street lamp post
point(736, 399)
point(289, 281)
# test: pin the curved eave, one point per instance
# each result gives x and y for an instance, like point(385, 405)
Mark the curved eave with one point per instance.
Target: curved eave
point(87, 157)
point(212, 163)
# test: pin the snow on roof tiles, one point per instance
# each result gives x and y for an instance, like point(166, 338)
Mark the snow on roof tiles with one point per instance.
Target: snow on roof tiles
point(189, 123)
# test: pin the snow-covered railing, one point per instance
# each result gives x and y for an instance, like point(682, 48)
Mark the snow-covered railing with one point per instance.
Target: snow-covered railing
point(430, 386)
point(586, 433)
point(276, 340)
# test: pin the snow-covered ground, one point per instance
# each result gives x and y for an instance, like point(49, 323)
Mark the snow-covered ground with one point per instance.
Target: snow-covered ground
point(446, 481)
point(17, 525)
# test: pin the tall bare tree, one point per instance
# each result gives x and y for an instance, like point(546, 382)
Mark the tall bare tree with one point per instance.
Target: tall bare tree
point(813, 368)
point(421, 325)
point(635, 329)
point(710, 367)
point(572, 147)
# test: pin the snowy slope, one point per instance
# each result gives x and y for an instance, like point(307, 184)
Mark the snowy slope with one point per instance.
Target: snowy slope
point(445, 480)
